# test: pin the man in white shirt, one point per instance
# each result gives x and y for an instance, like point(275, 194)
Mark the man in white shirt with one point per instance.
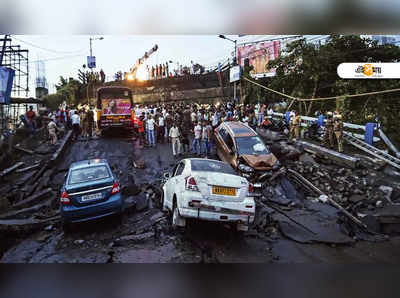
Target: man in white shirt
point(174, 134)
point(76, 120)
point(150, 128)
point(197, 138)
point(161, 130)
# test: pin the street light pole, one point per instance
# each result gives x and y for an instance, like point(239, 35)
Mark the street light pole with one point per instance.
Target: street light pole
point(235, 61)
point(90, 47)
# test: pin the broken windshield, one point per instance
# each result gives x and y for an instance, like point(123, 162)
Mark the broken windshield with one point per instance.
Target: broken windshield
point(250, 146)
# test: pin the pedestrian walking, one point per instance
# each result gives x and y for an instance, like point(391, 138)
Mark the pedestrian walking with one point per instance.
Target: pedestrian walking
point(174, 134)
point(52, 128)
point(196, 145)
point(161, 129)
point(76, 120)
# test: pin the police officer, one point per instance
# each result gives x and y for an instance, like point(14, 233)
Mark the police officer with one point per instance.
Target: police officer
point(328, 135)
point(338, 129)
point(295, 121)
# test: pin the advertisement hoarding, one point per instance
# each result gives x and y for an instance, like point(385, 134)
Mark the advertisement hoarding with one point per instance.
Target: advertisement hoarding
point(6, 81)
point(259, 55)
point(117, 106)
point(234, 74)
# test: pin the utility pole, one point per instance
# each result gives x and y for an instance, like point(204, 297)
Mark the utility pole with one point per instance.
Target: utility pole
point(235, 61)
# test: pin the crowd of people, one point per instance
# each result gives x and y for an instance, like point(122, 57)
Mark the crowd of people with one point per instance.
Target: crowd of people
point(164, 70)
point(190, 127)
point(80, 120)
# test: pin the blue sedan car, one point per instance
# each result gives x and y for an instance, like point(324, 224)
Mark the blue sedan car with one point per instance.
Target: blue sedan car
point(90, 191)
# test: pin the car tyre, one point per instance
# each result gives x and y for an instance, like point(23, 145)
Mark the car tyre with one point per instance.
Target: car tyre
point(177, 221)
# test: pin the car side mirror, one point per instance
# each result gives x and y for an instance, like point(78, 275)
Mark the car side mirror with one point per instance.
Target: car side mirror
point(167, 175)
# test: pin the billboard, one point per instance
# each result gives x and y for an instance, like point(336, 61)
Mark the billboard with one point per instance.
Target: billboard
point(259, 54)
point(234, 74)
point(116, 106)
point(6, 81)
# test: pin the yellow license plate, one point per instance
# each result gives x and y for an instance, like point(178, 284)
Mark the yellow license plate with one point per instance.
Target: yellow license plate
point(224, 191)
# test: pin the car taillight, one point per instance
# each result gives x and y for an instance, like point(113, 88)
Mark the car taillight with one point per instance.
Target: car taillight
point(115, 188)
point(64, 199)
point(250, 188)
point(191, 184)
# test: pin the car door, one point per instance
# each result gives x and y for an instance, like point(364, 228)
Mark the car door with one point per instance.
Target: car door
point(222, 149)
point(169, 186)
point(172, 185)
point(231, 153)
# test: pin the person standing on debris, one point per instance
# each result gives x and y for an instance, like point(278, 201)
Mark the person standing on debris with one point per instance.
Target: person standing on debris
point(295, 126)
point(174, 134)
point(338, 129)
point(53, 128)
point(103, 76)
point(328, 134)
point(76, 120)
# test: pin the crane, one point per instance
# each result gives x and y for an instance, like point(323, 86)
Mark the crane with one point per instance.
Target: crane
point(132, 74)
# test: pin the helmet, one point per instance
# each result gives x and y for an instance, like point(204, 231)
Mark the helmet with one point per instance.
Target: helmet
point(338, 116)
point(329, 114)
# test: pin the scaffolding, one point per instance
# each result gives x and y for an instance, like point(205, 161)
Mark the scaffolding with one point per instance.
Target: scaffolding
point(16, 58)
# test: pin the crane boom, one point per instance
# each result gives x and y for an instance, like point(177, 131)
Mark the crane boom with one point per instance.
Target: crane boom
point(141, 60)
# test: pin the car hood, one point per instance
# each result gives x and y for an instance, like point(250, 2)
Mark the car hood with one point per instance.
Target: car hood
point(260, 162)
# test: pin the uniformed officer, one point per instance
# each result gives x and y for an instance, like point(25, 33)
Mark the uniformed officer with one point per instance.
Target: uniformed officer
point(328, 135)
point(295, 121)
point(338, 129)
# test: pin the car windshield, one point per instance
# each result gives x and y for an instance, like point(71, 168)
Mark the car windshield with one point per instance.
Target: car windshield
point(250, 146)
point(88, 174)
point(211, 166)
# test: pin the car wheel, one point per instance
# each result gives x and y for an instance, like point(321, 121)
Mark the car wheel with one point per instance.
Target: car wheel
point(162, 202)
point(177, 219)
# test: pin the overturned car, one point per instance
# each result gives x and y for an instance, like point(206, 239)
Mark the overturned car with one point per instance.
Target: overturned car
point(241, 147)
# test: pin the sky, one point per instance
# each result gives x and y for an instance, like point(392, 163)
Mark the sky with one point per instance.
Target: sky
point(64, 55)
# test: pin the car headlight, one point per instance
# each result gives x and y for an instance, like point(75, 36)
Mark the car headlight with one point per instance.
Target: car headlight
point(276, 165)
point(244, 168)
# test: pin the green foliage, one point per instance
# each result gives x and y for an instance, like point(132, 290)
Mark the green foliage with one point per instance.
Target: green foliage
point(307, 70)
point(71, 91)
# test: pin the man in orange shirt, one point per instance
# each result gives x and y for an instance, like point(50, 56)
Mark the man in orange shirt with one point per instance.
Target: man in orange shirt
point(141, 130)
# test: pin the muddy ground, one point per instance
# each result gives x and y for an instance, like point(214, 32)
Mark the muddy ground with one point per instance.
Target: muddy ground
point(144, 233)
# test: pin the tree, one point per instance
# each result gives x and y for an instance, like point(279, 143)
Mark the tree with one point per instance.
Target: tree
point(307, 70)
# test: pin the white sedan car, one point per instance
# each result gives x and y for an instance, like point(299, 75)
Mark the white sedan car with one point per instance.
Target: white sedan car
point(208, 190)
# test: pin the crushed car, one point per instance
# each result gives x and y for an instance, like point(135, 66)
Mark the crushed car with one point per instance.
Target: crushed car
point(208, 190)
point(241, 147)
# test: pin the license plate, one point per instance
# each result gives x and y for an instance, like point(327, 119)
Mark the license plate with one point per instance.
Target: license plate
point(224, 191)
point(91, 197)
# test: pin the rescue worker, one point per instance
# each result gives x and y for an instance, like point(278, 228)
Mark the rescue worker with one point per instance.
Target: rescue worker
point(338, 129)
point(328, 134)
point(295, 121)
